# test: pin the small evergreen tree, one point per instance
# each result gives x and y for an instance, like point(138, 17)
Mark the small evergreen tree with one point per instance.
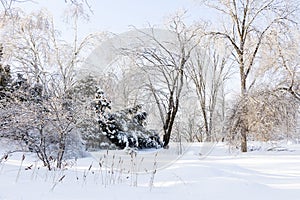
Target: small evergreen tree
point(125, 128)
point(84, 93)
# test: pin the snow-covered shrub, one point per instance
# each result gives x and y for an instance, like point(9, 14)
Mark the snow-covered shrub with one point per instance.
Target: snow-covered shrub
point(47, 124)
point(266, 115)
point(125, 128)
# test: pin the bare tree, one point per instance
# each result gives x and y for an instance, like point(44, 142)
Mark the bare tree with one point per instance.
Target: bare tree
point(29, 45)
point(36, 50)
point(247, 25)
point(165, 63)
point(208, 71)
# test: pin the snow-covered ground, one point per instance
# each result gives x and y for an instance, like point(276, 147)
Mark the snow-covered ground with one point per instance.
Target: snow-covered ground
point(222, 175)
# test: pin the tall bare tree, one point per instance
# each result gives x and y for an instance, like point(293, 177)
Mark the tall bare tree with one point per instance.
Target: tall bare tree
point(247, 25)
point(209, 70)
point(165, 64)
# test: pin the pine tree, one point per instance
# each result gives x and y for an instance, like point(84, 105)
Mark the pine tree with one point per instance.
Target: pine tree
point(125, 128)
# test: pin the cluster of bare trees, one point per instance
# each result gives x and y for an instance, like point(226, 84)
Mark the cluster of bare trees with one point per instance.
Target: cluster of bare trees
point(38, 106)
point(247, 29)
point(257, 39)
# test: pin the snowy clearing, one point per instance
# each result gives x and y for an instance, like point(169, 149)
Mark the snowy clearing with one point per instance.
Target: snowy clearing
point(220, 175)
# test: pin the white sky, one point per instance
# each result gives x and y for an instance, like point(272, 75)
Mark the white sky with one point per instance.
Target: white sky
point(118, 15)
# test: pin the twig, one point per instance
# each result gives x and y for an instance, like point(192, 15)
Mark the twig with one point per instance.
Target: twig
point(19, 171)
point(151, 183)
point(59, 180)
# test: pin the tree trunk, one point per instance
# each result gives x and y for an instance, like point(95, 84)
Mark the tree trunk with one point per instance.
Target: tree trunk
point(169, 124)
point(168, 129)
point(166, 139)
point(243, 77)
point(61, 151)
point(244, 140)
point(206, 123)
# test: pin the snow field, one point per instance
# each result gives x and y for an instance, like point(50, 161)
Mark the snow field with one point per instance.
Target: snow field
point(195, 175)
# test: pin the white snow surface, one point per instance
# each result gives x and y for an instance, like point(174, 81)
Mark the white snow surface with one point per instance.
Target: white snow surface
point(222, 175)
